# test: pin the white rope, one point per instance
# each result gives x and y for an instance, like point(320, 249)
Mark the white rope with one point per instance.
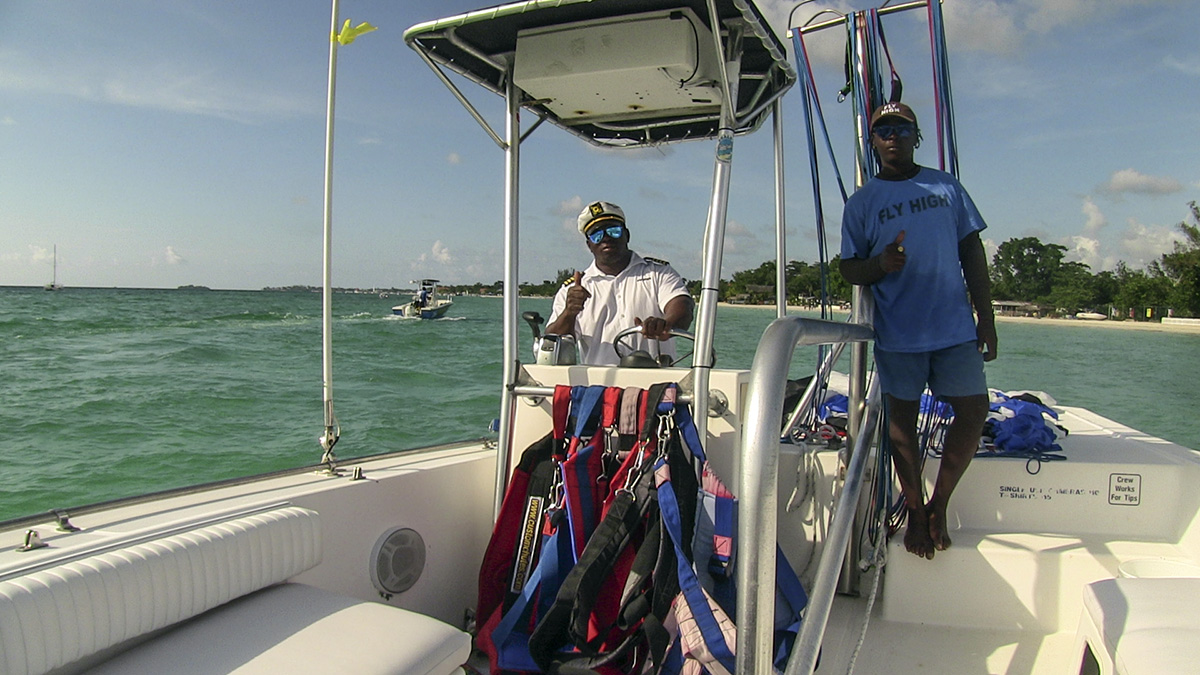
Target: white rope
point(879, 559)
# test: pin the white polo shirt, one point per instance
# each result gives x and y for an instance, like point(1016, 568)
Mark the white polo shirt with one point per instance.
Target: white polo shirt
point(641, 290)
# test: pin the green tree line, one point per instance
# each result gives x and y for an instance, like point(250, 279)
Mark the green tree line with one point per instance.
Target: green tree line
point(1026, 270)
point(1023, 269)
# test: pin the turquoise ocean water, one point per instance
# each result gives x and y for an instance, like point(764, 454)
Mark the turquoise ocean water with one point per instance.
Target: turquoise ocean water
point(110, 393)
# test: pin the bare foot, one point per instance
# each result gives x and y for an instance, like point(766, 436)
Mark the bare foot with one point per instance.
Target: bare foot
point(916, 537)
point(936, 515)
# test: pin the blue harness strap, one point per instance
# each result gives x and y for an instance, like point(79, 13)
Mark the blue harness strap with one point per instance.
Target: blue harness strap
point(713, 625)
point(713, 552)
point(559, 550)
point(511, 635)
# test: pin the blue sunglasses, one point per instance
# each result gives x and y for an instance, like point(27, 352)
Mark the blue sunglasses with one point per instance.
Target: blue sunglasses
point(889, 130)
point(614, 231)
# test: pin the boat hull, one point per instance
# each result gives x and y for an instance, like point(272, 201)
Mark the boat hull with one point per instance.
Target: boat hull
point(436, 311)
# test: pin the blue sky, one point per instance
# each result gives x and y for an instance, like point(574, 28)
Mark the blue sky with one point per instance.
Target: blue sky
point(168, 143)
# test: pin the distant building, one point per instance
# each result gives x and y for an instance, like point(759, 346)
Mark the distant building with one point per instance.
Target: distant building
point(1015, 308)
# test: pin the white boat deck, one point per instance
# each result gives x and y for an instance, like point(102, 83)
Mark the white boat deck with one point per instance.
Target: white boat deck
point(1007, 597)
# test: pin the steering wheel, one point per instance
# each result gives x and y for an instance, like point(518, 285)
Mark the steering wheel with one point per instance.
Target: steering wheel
point(634, 330)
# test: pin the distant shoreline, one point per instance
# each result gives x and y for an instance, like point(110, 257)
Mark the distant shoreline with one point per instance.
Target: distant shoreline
point(1106, 323)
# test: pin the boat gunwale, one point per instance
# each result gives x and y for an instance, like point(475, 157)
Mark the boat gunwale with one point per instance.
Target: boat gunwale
point(55, 513)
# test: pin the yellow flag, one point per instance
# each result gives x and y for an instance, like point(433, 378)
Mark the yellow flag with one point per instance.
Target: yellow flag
point(348, 34)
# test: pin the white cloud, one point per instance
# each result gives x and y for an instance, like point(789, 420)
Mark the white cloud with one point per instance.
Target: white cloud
point(990, 247)
point(741, 245)
point(172, 257)
point(39, 254)
point(7, 121)
point(1189, 65)
point(1095, 218)
point(1044, 16)
point(827, 47)
point(736, 230)
point(1133, 181)
point(454, 158)
point(176, 87)
point(1143, 244)
point(439, 253)
point(568, 210)
point(982, 25)
point(1087, 251)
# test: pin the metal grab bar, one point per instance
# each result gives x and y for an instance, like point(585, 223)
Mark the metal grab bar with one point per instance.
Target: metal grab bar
point(758, 485)
point(820, 600)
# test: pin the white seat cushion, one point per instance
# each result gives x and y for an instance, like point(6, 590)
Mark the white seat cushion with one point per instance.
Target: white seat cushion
point(1149, 626)
point(295, 628)
point(72, 611)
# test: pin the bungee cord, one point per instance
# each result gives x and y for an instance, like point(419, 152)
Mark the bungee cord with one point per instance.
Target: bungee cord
point(942, 99)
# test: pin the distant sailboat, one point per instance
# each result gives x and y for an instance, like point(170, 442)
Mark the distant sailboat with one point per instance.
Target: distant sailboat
point(54, 285)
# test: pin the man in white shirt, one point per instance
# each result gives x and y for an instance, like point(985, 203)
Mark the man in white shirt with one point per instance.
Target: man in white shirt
point(619, 290)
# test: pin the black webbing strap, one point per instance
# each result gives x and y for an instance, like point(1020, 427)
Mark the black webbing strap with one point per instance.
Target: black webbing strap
point(579, 591)
point(570, 613)
point(537, 462)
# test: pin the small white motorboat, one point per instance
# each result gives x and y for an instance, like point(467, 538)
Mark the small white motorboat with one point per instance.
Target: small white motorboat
point(425, 304)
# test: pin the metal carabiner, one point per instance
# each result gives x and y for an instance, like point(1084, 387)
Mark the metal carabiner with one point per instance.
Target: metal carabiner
point(558, 494)
point(666, 425)
point(610, 452)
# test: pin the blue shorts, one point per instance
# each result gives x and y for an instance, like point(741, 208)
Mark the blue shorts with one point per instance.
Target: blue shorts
point(953, 371)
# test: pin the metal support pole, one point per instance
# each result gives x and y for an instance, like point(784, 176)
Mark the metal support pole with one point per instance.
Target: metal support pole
point(512, 164)
point(780, 218)
point(849, 581)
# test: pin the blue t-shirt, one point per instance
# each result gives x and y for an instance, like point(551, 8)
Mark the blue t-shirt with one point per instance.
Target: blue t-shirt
point(923, 307)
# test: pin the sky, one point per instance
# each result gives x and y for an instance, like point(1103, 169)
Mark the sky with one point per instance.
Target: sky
point(160, 144)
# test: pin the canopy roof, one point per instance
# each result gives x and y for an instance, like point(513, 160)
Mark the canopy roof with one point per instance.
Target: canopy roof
point(617, 72)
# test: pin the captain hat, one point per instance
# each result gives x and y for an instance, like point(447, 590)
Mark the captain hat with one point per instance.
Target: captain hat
point(894, 109)
point(598, 212)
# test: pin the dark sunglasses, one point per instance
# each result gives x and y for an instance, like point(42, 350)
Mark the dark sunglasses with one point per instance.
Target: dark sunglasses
point(889, 130)
point(614, 231)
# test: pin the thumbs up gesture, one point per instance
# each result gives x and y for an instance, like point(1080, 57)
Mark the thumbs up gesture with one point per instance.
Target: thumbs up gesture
point(577, 295)
point(893, 257)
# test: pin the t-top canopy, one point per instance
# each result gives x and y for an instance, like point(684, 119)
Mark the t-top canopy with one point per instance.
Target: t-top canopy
point(618, 72)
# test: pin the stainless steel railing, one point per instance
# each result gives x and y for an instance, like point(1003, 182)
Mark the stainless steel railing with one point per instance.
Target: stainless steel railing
point(759, 492)
point(820, 600)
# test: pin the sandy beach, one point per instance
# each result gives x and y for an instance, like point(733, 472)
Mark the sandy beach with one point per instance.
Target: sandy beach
point(1108, 323)
point(1104, 324)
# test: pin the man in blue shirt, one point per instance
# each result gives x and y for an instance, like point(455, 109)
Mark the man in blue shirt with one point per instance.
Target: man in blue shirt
point(912, 235)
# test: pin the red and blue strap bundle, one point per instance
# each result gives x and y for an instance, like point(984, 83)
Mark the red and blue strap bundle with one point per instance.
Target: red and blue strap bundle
point(567, 527)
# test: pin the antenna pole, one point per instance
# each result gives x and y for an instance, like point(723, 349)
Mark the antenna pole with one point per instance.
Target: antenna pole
point(330, 437)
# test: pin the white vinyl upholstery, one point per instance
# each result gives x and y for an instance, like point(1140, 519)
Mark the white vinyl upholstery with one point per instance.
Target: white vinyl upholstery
point(212, 599)
point(1143, 626)
point(296, 628)
point(54, 616)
